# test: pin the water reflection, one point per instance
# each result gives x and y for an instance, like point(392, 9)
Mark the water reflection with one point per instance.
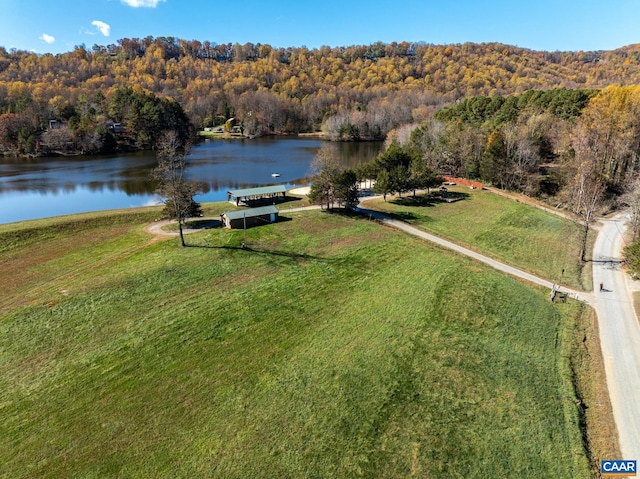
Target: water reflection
point(42, 187)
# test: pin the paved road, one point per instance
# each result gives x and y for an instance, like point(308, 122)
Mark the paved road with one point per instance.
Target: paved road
point(619, 335)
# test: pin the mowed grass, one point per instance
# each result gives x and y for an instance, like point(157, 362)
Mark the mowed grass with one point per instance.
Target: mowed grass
point(333, 347)
point(518, 234)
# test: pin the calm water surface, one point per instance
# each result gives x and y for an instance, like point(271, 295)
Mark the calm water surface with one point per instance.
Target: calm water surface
point(44, 187)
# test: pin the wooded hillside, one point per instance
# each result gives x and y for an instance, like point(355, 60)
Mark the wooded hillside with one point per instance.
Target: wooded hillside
point(355, 92)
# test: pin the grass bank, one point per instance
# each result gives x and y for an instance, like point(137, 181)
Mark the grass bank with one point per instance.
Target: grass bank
point(331, 348)
point(595, 415)
point(526, 237)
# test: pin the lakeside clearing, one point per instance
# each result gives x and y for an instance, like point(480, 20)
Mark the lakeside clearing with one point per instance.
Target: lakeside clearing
point(219, 133)
point(331, 347)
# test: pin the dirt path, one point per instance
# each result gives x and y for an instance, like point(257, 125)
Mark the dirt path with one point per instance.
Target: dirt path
point(157, 228)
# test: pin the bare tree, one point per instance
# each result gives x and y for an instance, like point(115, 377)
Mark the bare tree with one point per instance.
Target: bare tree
point(584, 191)
point(593, 190)
point(401, 135)
point(632, 198)
point(522, 155)
point(60, 139)
point(177, 192)
point(325, 169)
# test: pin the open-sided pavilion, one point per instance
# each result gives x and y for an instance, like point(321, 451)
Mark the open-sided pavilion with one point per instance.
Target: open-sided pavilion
point(246, 218)
point(253, 196)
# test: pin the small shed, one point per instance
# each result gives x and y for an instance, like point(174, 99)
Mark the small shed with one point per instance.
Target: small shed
point(249, 217)
point(250, 196)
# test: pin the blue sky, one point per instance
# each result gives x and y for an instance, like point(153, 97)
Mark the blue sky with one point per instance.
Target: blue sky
point(58, 25)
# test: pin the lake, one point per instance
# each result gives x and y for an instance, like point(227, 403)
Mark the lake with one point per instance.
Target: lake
point(44, 187)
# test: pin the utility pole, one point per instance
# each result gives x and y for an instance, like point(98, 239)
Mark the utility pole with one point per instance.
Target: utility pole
point(244, 220)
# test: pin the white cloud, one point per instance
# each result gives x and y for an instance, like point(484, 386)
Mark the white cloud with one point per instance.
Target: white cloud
point(47, 38)
point(142, 3)
point(104, 28)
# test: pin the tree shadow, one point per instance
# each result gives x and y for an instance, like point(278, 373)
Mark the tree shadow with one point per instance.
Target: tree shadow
point(613, 264)
point(339, 211)
point(403, 215)
point(431, 199)
point(249, 249)
point(286, 254)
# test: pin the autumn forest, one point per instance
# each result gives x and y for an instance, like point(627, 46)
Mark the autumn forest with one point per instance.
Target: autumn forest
point(543, 123)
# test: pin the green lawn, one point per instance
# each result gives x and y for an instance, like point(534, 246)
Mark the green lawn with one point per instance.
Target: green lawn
point(334, 347)
point(532, 239)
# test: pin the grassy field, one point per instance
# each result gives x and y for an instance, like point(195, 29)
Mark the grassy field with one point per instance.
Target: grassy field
point(332, 347)
point(515, 233)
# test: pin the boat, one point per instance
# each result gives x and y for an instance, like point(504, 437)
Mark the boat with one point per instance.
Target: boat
point(275, 175)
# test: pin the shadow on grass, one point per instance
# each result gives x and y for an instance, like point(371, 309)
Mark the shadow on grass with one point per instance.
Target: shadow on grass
point(430, 200)
point(202, 224)
point(193, 225)
point(259, 222)
point(346, 212)
point(403, 215)
point(249, 249)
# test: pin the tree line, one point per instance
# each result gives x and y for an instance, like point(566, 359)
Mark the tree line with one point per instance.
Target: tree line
point(357, 92)
point(535, 142)
point(126, 120)
point(578, 149)
point(558, 125)
point(397, 170)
